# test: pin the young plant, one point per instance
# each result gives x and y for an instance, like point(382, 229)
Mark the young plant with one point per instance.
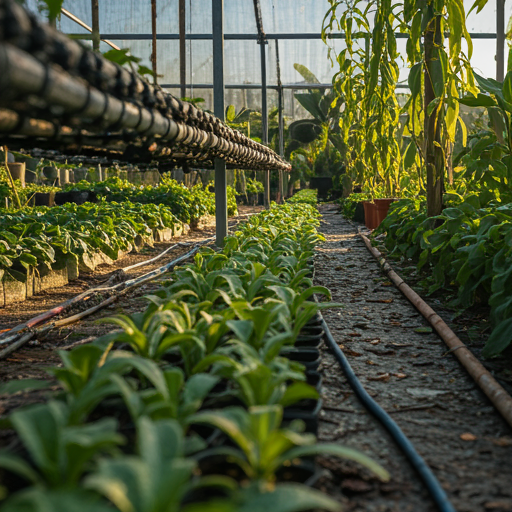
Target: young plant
point(156, 479)
point(60, 452)
point(263, 446)
point(177, 400)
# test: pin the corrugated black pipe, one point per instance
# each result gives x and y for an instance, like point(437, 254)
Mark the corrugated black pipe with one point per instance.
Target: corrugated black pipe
point(431, 483)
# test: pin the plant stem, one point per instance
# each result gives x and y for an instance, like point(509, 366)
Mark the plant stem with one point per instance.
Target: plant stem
point(434, 160)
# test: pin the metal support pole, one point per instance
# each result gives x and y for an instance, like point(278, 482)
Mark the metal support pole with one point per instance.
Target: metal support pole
point(95, 25)
point(264, 116)
point(281, 139)
point(183, 53)
point(221, 196)
point(500, 40)
point(280, 113)
point(154, 44)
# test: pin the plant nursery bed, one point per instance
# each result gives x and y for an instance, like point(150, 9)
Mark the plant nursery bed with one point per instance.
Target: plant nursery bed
point(407, 369)
point(32, 360)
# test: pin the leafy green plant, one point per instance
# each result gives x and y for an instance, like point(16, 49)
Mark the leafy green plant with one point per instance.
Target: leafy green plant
point(305, 196)
point(263, 446)
point(155, 479)
point(178, 399)
point(470, 249)
point(52, 236)
point(59, 451)
point(154, 332)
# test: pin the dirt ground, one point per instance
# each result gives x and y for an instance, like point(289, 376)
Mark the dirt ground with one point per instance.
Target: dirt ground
point(408, 371)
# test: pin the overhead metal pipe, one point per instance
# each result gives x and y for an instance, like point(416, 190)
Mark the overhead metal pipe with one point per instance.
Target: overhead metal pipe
point(24, 75)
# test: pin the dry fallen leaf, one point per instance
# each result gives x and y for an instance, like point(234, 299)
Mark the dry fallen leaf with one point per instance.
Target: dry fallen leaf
point(350, 484)
point(354, 334)
point(375, 342)
point(399, 375)
point(370, 362)
point(384, 377)
point(467, 436)
point(353, 353)
point(502, 441)
point(501, 504)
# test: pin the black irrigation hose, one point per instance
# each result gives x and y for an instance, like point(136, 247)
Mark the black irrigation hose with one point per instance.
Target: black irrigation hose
point(431, 483)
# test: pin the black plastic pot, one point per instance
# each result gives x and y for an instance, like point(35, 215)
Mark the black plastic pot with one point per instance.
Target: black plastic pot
point(314, 379)
point(305, 472)
point(323, 184)
point(359, 213)
point(44, 199)
point(309, 341)
point(76, 196)
point(305, 410)
point(316, 321)
point(309, 357)
point(312, 330)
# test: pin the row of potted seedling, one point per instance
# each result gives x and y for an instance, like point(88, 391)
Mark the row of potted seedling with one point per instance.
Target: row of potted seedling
point(194, 404)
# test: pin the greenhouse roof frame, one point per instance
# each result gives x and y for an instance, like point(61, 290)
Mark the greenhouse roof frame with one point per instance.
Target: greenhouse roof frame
point(250, 37)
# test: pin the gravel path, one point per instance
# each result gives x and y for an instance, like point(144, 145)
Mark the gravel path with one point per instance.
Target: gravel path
point(409, 373)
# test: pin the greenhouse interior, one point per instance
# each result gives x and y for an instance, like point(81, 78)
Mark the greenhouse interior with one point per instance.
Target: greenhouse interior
point(255, 255)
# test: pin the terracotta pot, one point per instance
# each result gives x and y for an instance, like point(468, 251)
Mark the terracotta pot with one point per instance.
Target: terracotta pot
point(381, 209)
point(370, 215)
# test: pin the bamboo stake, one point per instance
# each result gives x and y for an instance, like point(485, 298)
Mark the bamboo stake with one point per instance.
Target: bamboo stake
point(11, 181)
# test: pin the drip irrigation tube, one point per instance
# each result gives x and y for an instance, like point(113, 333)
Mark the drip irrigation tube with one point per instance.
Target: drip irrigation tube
point(501, 400)
point(433, 486)
point(9, 335)
point(27, 336)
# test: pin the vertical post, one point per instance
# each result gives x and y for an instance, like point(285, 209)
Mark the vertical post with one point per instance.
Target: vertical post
point(281, 139)
point(500, 40)
point(95, 25)
point(153, 31)
point(183, 53)
point(221, 198)
point(280, 112)
point(264, 115)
